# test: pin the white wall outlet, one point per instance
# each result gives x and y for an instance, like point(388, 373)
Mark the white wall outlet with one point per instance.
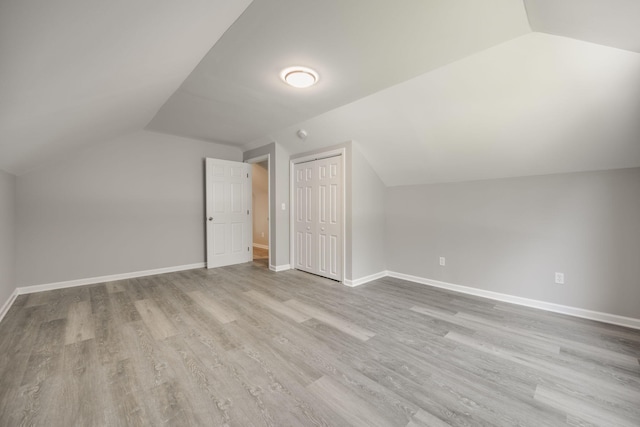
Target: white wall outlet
point(262, 234)
point(560, 278)
point(442, 261)
point(284, 207)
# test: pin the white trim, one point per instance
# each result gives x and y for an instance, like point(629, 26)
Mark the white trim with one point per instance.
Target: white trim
point(258, 159)
point(342, 152)
point(613, 319)
point(259, 246)
point(7, 305)
point(365, 279)
point(102, 279)
point(320, 155)
point(279, 268)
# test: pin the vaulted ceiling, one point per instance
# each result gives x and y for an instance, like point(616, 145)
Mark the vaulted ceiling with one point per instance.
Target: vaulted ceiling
point(431, 90)
point(77, 72)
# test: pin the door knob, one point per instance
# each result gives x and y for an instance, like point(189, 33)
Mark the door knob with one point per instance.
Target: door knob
point(210, 218)
point(322, 229)
point(308, 228)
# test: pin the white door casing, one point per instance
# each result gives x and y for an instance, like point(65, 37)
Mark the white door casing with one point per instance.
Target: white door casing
point(318, 210)
point(228, 212)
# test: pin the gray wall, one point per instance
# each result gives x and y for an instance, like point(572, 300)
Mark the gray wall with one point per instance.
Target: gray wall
point(131, 204)
point(279, 175)
point(511, 235)
point(367, 217)
point(260, 199)
point(7, 235)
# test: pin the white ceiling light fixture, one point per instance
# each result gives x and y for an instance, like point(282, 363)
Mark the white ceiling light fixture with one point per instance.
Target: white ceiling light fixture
point(299, 77)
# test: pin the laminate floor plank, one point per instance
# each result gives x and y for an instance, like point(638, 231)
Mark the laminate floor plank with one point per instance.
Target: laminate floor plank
point(277, 306)
point(581, 409)
point(146, 355)
point(15, 355)
point(297, 371)
point(466, 390)
point(219, 378)
point(116, 286)
point(331, 320)
point(276, 402)
point(40, 384)
point(355, 411)
point(318, 350)
point(84, 403)
point(425, 419)
point(244, 346)
point(80, 325)
point(213, 307)
point(494, 329)
point(124, 309)
point(618, 391)
point(60, 301)
point(157, 322)
point(124, 388)
point(603, 354)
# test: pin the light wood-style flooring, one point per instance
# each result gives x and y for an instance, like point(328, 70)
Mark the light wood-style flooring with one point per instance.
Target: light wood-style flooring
point(260, 253)
point(243, 346)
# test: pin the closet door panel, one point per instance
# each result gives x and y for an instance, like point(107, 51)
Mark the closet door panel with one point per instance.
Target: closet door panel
point(318, 217)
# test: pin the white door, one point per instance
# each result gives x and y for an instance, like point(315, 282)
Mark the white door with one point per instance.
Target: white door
point(305, 221)
point(318, 217)
point(228, 202)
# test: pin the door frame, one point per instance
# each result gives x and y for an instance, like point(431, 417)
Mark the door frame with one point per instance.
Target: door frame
point(342, 152)
point(260, 159)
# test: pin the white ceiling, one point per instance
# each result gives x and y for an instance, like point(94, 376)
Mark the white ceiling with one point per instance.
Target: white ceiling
point(432, 90)
point(358, 47)
point(75, 72)
point(535, 105)
point(614, 23)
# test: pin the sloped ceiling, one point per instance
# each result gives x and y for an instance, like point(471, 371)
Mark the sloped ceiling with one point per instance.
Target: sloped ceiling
point(432, 90)
point(74, 72)
point(535, 105)
point(358, 47)
point(614, 23)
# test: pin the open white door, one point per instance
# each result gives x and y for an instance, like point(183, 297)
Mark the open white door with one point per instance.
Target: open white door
point(228, 201)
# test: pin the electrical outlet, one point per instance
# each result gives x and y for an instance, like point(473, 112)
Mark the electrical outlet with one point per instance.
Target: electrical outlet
point(560, 278)
point(262, 234)
point(442, 261)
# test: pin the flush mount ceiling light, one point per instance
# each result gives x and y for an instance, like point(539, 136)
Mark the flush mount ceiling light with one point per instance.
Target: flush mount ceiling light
point(299, 77)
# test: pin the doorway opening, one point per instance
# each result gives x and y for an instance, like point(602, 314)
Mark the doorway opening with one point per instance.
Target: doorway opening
point(261, 207)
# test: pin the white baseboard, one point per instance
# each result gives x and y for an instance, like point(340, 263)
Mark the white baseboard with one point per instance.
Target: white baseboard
point(279, 268)
point(102, 279)
point(366, 279)
point(259, 246)
point(7, 305)
point(613, 319)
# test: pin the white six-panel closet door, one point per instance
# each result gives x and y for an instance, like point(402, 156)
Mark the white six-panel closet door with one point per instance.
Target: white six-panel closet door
point(318, 217)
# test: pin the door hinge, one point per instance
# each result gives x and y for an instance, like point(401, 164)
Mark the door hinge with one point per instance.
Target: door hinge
point(247, 249)
point(247, 211)
point(247, 175)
